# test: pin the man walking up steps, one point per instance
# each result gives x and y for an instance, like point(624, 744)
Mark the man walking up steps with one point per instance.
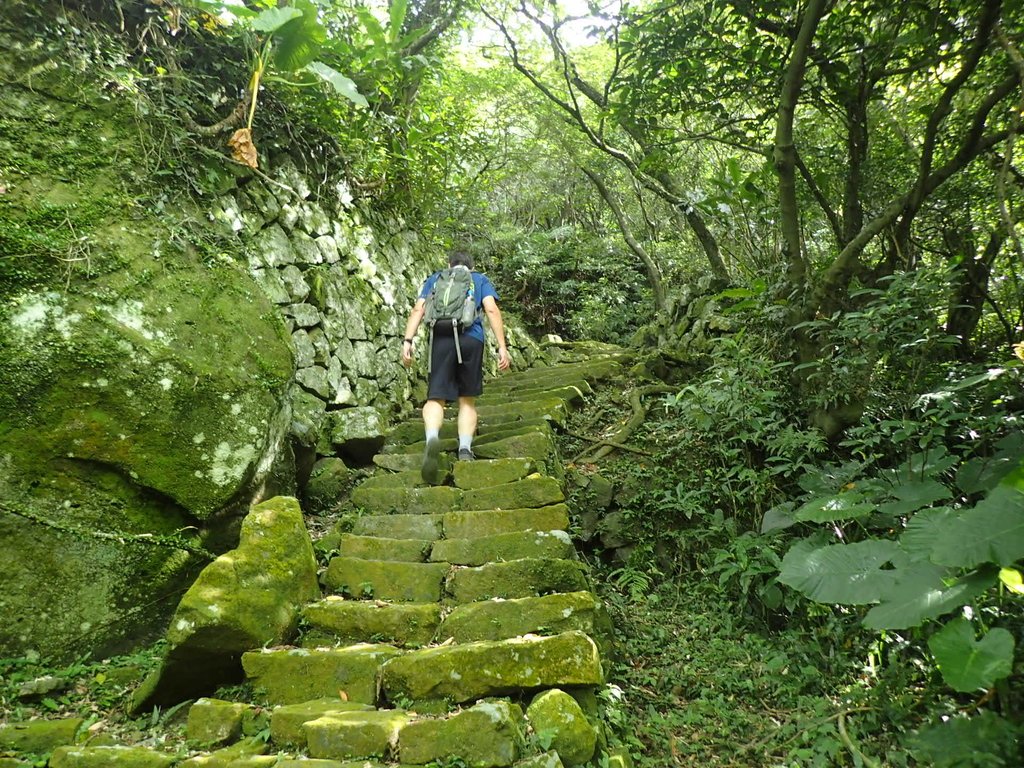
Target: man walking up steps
point(450, 303)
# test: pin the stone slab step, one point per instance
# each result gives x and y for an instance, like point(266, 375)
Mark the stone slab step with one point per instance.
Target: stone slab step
point(572, 393)
point(487, 735)
point(504, 546)
point(591, 370)
point(383, 548)
point(553, 409)
point(410, 501)
point(533, 491)
point(410, 432)
point(535, 445)
point(503, 619)
point(487, 472)
point(400, 526)
point(516, 578)
point(461, 673)
point(109, 757)
point(353, 621)
point(450, 445)
point(469, 524)
point(286, 721)
point(360, 735)
point(295, 675)
point(386, 580)
point(466, 474)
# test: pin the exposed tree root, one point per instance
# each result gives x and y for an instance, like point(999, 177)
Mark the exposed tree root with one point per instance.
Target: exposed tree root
point(618, 438)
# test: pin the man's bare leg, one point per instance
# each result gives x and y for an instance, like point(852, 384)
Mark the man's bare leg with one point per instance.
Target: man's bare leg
point(467, 426)
point(433, 419)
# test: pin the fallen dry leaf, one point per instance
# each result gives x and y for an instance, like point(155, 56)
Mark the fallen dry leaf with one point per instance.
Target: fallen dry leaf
point(242, 148)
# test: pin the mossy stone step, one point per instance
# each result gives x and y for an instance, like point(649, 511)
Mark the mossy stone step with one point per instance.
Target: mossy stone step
point(383, 548)
point(531, 577)
point(553, 409)
point(39, 736)
point(486, 472)
point(386, 580)
point(294, 675)
point(286, 721)
point(473, 671)
point(355, 621)
point(571, 393)
point(436, 500)
point(487, 735)
point(502, 619)
point(408, 478)
point(415, 449)
point(469, 524)
point(411, 432)
point(400, 526)
point(248, 753)
point(535, 445)
point(355, 734)
point(533, 491)
point(213, 722)
point(504, 546)
point(591, 370)
point(109, 757)
point(547, 760)
point(557, 713)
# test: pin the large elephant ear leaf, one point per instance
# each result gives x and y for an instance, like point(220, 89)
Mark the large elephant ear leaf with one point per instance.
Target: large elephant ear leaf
point(298, 42)
point(992, 532)
point(272, 19)
point(849, 574)
point(842, 506)
point(919, 593)
point(969, 665)
point(924, 530)
point(914, 495)
point(342, 85)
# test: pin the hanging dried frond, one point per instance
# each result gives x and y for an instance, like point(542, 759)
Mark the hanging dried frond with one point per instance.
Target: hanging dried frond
point(242, 148)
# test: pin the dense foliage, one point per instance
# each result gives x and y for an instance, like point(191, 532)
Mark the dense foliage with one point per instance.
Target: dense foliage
point(839, 460)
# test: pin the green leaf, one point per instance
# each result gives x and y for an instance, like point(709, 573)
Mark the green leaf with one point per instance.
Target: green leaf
point(959, 742)
point(918, 593)
point(991, 532)
point(272, 19)
point(218, 7)
point(396, 19)
point(849, 574)
point(914, 495)
point(924, 530)
point(778, 517)
point(374, 30)
point(342, 85)
point(843, 506)
point(300, 40)
point(968, 665)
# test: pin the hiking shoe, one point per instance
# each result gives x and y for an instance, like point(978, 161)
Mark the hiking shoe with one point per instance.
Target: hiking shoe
point(465, 454)
point(429, 469)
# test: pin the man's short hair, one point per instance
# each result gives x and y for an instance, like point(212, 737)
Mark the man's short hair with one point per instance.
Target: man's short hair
point(460, 258)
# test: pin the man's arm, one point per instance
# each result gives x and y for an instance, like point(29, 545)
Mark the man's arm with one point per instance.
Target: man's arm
point(411, 325)
point(498, 328)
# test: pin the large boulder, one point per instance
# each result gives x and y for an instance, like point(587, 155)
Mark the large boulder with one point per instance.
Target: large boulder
point(245, 599)
point(145, 382)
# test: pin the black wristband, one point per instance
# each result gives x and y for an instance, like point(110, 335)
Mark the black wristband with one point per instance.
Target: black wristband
point(407, 340)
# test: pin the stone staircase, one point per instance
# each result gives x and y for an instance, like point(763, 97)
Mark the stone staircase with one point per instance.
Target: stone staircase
point(457, 627)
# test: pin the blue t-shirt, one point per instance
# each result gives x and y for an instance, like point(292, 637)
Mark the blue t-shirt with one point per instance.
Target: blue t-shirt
point(482, 288)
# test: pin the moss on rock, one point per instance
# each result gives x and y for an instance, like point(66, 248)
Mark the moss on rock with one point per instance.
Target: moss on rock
point(501, 619)
point(110, 757)
point(486, 735)
point(504, 546)
point(471, 524)
point(556, 713)
point(353, 621)
point(39, 736)
point(286, 721)
point(383, 580)
point(517, 578)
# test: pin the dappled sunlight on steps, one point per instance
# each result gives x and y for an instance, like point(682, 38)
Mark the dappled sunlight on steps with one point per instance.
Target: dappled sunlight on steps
point(448, 610)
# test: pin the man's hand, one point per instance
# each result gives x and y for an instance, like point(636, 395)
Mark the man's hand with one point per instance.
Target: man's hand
point(503, 360)
point(406, 353)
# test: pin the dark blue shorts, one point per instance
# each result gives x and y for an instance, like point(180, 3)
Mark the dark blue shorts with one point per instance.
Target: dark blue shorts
point(450, 380)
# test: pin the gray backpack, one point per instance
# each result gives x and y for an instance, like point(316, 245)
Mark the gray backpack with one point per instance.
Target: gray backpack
point(451, 305)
